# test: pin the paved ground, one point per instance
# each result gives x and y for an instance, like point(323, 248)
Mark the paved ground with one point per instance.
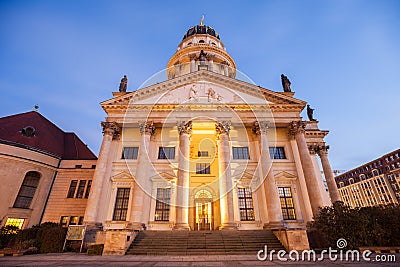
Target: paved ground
point(73, 259)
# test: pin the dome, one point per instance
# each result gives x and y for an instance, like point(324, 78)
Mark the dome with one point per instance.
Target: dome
point(201, 29)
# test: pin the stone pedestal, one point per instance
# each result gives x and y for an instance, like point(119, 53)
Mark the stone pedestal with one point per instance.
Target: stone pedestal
point(117, 242)
point(293, 239)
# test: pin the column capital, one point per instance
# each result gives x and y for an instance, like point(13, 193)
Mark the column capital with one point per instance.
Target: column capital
point(313, 149)
point(184, 127)
point(146, 127)
point(223, 127)
point(210, 56)
point(323, 150)
point(111, 128)
point(296, 127)
point(260, 127)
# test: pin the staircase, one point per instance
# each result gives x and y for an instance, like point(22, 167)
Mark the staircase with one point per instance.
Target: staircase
point(203, 242)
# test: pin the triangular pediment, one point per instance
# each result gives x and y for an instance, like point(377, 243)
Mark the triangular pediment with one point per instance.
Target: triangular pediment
point(285, 175)
point(203, 87)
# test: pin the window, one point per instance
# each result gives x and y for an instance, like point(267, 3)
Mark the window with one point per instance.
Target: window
point(166, 153)
point(162, 204)
point(245, 204)
point(72, 188)
point(202, 154)
point(64, 221)
point(27, 190)
point(277, 153)
point(81, 189)
point(240, 152)
point(73, 220)
point(130, 153)
point(89, 185)
point(202, 168)
point(285, 196)
point(15, 222)
point(121, 204)
point(80, 222)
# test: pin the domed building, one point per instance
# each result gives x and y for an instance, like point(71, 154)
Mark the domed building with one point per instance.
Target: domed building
point(205, 151)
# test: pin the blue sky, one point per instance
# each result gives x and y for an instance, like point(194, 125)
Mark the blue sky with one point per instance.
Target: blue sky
point(341, 56)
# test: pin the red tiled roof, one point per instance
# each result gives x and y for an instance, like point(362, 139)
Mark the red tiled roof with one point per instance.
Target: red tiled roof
point(48, 137)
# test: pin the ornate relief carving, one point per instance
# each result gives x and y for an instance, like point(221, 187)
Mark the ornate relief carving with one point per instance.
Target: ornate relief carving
point(260, 127)
point(222, 127)
point(185, 127)
point(147, 127)
point(296, 127)
point(111, 128)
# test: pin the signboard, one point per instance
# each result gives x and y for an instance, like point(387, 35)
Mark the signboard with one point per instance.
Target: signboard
point(75, 232)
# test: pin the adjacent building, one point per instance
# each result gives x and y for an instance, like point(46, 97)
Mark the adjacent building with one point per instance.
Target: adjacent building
point(42, 172)
point(374, 183)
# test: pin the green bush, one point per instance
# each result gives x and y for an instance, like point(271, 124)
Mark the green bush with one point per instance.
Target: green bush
point(7, 235)
point(367, 226)
point(95, 249)
point(47, 238)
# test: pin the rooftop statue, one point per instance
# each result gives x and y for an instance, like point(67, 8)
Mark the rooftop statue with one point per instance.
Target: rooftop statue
point(285, 83)
point(310, 113)
point(123, 84)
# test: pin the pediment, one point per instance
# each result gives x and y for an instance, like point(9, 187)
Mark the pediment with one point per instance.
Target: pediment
point(285, 175)
point(203, 88)
point(163, 176)
point(122, 176)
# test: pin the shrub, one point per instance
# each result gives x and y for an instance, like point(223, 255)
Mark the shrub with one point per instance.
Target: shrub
point(367, 226)
point(7, 235)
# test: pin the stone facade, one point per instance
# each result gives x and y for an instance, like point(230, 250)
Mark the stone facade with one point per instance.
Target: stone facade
point(206, 151)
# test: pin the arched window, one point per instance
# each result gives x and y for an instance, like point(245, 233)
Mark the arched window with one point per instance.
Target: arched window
point(201, 42)
point(27, 190)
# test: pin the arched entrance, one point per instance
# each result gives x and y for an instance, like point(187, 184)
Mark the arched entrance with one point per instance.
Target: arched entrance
point(204, 215)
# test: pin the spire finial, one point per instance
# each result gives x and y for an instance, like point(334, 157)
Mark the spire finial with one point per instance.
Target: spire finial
point(201, 20)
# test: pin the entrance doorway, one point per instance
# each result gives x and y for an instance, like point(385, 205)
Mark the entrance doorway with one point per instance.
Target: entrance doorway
point(204, 214)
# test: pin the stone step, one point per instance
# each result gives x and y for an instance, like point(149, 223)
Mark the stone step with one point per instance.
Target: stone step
point(203, 242)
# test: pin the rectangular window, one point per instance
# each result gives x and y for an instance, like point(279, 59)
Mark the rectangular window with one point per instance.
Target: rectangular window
point(166, 153)
point(73, 220)
point(121, 204)
point(202, 168)
point(80, 222)
point(130, 153)
point(89, 185)
point(64, 221)
point(15, 222)
point(245, 204)
point(287, 205)
point(240, 152)
point(81, 189)
point(202, 154)
point(277, 153)
point(162, 204)
point(72, 188)
point(27, 190)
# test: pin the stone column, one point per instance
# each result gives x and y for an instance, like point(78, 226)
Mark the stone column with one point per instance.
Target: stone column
point(330, 180)
point(226, 70)
point(271, 191)
point(225, 176)
point(143, 163)
point(111, 131)
point(297, 130)
point(192, 62)
point(210, 59)
point(182, 194)
point(177, 69)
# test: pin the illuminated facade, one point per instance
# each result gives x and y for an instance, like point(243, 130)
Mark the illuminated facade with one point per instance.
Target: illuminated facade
point(204, 150)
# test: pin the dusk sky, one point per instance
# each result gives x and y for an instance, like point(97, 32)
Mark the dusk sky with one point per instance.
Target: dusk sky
point(342, 57)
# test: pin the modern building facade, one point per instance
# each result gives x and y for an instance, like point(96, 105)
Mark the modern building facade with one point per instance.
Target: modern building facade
point(38, 163)
point(204, 150)
point(374, 183)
